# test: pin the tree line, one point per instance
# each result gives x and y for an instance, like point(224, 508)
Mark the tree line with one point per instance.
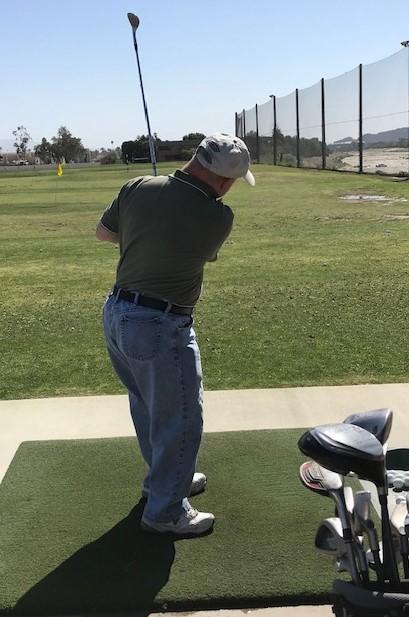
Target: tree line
point(138, 149)
point(64, 146)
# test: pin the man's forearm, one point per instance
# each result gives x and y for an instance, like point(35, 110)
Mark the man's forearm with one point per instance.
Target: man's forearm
point(105, 235)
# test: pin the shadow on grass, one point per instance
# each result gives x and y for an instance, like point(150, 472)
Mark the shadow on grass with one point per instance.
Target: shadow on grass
point(124, 569)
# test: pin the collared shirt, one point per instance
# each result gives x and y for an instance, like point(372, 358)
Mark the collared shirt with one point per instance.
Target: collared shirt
point(169, 227)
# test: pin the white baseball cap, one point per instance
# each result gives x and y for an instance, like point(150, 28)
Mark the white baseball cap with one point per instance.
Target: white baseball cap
point(225, 156)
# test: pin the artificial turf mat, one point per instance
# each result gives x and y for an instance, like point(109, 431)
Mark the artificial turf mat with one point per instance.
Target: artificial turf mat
point(70, 540)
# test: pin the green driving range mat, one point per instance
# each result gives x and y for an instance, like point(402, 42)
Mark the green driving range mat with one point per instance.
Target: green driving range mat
point(70, 541)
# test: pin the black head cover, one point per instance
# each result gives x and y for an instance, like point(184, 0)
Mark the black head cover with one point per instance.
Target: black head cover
point(344, 448)
point(378, 422)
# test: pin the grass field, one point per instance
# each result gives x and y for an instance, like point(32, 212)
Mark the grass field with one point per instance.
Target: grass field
point(308, 289)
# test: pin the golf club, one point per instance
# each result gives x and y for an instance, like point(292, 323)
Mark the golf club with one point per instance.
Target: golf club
point(347, 447)
point(398, 518)
point(406, 521)
point(329, 539)
point(321, 480)
point(310, 476)
point(349, 499)
point(134, 21)
point(378, 422)
point(363, 523)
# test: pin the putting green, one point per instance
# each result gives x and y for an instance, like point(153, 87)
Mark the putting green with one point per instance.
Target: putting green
point(70, 540)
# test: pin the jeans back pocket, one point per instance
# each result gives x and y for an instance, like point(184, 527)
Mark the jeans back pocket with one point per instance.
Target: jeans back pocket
point(140, 336)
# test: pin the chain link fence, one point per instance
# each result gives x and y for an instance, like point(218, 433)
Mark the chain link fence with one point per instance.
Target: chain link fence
point(358, 121)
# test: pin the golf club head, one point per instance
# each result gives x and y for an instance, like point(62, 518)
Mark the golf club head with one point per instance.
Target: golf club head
point(134, 21)
point(349, 501)
point(346, 447)
point(362, 509)
point(318, 479)
point(349, 498)
point(329, 538)
point(378, 422)
point(398, 516)
point(406, 522)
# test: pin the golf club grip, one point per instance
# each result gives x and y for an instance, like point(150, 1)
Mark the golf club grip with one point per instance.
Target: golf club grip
point(361, 560)
point(349, 545)
point(378, 565)
point(390, 566)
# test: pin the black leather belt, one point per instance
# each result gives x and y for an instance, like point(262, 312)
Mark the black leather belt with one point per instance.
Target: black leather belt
point(154, 303)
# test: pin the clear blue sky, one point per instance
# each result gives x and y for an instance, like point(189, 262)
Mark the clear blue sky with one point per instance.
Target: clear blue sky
point(72, 63)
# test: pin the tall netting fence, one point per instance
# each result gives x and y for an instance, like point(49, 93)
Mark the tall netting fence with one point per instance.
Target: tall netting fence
point(386, 115)
point(342, 120)
point(310, 127)
point(251, 132)
point(265, 131)
point(358, 121)
point(286, 130)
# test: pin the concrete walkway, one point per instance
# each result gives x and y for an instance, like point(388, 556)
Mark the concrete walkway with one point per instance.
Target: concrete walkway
point(108, 416)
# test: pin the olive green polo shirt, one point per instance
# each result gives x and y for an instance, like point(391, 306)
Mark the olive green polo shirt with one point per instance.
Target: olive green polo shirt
point(169, 227)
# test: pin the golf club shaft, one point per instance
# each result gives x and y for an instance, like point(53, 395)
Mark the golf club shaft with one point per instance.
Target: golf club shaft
point(389, 558)
point(339, 499)
point(404, 552)
point(145, 107)
point(407, 556)
point(361, 558)
point(374, 546)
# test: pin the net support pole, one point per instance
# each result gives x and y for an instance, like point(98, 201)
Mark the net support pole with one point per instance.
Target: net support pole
point(407, 49)
point(244, 124)
point(297, 114)
point(360, 142)
point(274, 130)
point(257, 138)
point(323, 137)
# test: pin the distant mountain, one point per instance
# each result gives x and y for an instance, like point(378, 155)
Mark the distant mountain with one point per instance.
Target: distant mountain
point(370, 139)
point(387, 137)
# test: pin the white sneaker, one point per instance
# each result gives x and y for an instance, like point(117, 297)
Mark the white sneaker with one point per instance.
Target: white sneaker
point(198, 485)
point(190, 523)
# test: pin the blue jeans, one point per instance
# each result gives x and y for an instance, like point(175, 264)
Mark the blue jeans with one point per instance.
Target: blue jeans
point(156, 356)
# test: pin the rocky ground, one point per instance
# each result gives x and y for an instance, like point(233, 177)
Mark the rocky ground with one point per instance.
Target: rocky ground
point(387, 160)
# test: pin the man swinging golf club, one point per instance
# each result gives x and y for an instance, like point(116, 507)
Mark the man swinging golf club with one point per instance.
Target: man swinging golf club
point(167, 228)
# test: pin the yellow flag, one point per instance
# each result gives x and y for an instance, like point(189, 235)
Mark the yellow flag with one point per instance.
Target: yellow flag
point(59, 169)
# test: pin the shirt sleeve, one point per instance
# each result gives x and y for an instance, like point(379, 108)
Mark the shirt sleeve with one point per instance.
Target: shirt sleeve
point(224, 231)
point(110, 218)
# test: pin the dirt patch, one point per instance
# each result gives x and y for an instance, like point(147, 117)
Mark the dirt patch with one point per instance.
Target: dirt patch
point(362, 197)
point(397, 217)
point(388, 160)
